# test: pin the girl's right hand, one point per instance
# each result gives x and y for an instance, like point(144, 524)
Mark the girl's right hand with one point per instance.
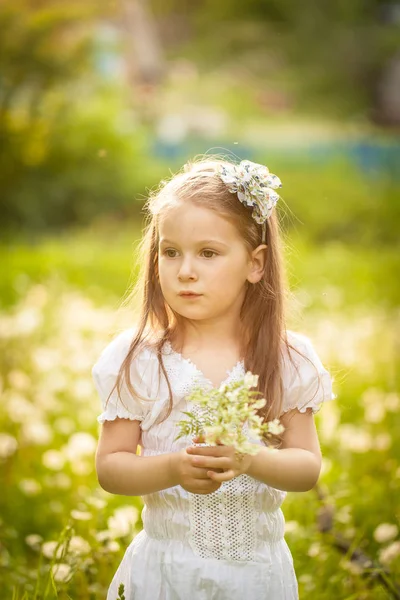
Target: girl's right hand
point(193, 479)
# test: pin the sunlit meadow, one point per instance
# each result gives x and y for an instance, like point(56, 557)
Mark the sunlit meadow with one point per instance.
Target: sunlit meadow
point(62, 536)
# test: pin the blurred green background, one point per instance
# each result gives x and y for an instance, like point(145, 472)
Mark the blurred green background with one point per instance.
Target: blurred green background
point(98, 102)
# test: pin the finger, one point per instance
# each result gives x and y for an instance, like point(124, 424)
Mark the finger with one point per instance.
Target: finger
point(220, 477)
point(203, 485)
point(199, 439)
point(211, 462)
point(198, 473)
point(210, 450)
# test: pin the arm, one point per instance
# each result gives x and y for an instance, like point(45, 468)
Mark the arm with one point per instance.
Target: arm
point(295, 467)
point(121, 471)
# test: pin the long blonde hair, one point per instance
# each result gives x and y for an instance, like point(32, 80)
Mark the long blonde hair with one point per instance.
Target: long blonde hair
point(263, 311)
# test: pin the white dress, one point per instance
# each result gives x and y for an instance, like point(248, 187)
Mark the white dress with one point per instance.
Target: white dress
point(227, 545)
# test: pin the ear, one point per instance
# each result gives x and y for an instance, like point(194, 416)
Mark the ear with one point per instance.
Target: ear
point(257, 264)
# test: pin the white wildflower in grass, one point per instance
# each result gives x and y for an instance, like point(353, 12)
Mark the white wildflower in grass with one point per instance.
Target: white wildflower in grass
point(37, 432)
point(82, 467)
point(96, 502)
point(53, 460)
point(19, 409)
point(64, 425)
point(354, 438)
point(225, 411)
point(82, 388)
point(314, 549)
point(392, 402)
point(34, 541)
point(291, 527)
point(61, 572)
point(113, 546)
point(104, 535)
point(52, 550)
point(351, 566)
point(343, 515)
point(30, 487)
point(389, 553)
point(19, 380)
point(80, 444)
point(78, 545)
point(8, 445)
point(81, 515)
point(385, 532)
point(375, 413)
point(45, 358)
point(122, 521)
point(61, 481)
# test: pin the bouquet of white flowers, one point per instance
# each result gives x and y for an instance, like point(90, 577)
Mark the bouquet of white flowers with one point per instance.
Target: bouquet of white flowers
point(226, 411)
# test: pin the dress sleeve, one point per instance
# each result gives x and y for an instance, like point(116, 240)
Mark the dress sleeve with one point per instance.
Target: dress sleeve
point(307, 383)
point(105, 372)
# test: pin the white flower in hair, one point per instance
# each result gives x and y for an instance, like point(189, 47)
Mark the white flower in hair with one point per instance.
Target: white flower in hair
point(254, 186)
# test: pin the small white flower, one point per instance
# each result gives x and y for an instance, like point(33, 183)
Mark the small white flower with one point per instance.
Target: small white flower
point(34, 540)
point(30, 487)
point(113, 546)
point(385, 532)
point(102, 536)
point(8, 445)
point(81, 515)
point(259, 403)
point(291, 527)
point(50, 550)
point(78, 545)
point(61, 572)
point(122, 521)
point(53, 459)
point(80, 444)
point(250, 380)
point(389, 553)
point(275, 427)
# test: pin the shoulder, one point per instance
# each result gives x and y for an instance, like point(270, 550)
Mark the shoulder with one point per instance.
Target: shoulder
point(304, 375)
point(301, 351)
point(114, 353)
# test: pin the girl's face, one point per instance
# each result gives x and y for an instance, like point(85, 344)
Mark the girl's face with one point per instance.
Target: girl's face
point(204, 263)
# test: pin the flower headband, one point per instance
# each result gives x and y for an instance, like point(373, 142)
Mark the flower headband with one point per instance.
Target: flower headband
point(255, 186)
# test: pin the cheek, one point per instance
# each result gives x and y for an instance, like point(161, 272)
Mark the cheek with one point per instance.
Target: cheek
point(230, 276)
point(164, 276)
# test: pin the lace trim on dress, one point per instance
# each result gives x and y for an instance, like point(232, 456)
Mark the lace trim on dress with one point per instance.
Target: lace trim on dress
point(235, 373)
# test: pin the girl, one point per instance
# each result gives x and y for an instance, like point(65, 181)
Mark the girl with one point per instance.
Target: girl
point(212, 309)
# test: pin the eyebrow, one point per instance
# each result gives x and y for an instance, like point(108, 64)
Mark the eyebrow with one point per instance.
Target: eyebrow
point(200, 243)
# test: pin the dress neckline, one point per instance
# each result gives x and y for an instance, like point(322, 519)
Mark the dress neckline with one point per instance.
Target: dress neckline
point(236, 371)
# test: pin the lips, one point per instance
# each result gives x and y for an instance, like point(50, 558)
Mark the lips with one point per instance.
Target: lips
point(189, 294)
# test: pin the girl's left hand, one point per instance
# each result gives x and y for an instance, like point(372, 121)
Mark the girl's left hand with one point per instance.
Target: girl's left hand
point(217, 458)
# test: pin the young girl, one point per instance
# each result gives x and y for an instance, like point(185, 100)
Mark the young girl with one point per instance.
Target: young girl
point(212, 309)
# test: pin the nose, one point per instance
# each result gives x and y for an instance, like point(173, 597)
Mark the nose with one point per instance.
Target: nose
point(186, 271)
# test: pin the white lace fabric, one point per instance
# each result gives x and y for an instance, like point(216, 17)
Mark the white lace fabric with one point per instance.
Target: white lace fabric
point(216, 546)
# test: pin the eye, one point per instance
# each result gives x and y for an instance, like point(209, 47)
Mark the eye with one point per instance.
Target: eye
point(209, 253)
point(170, 253)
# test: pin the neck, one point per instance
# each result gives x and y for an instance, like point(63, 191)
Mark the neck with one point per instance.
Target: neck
point(208, 333)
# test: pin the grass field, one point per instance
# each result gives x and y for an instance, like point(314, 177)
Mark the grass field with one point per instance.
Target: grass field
point(62, 536)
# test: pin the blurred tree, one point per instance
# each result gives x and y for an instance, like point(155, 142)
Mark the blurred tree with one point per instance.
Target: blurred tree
point(144, 55)
point(331, 56)
point(66, 147)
